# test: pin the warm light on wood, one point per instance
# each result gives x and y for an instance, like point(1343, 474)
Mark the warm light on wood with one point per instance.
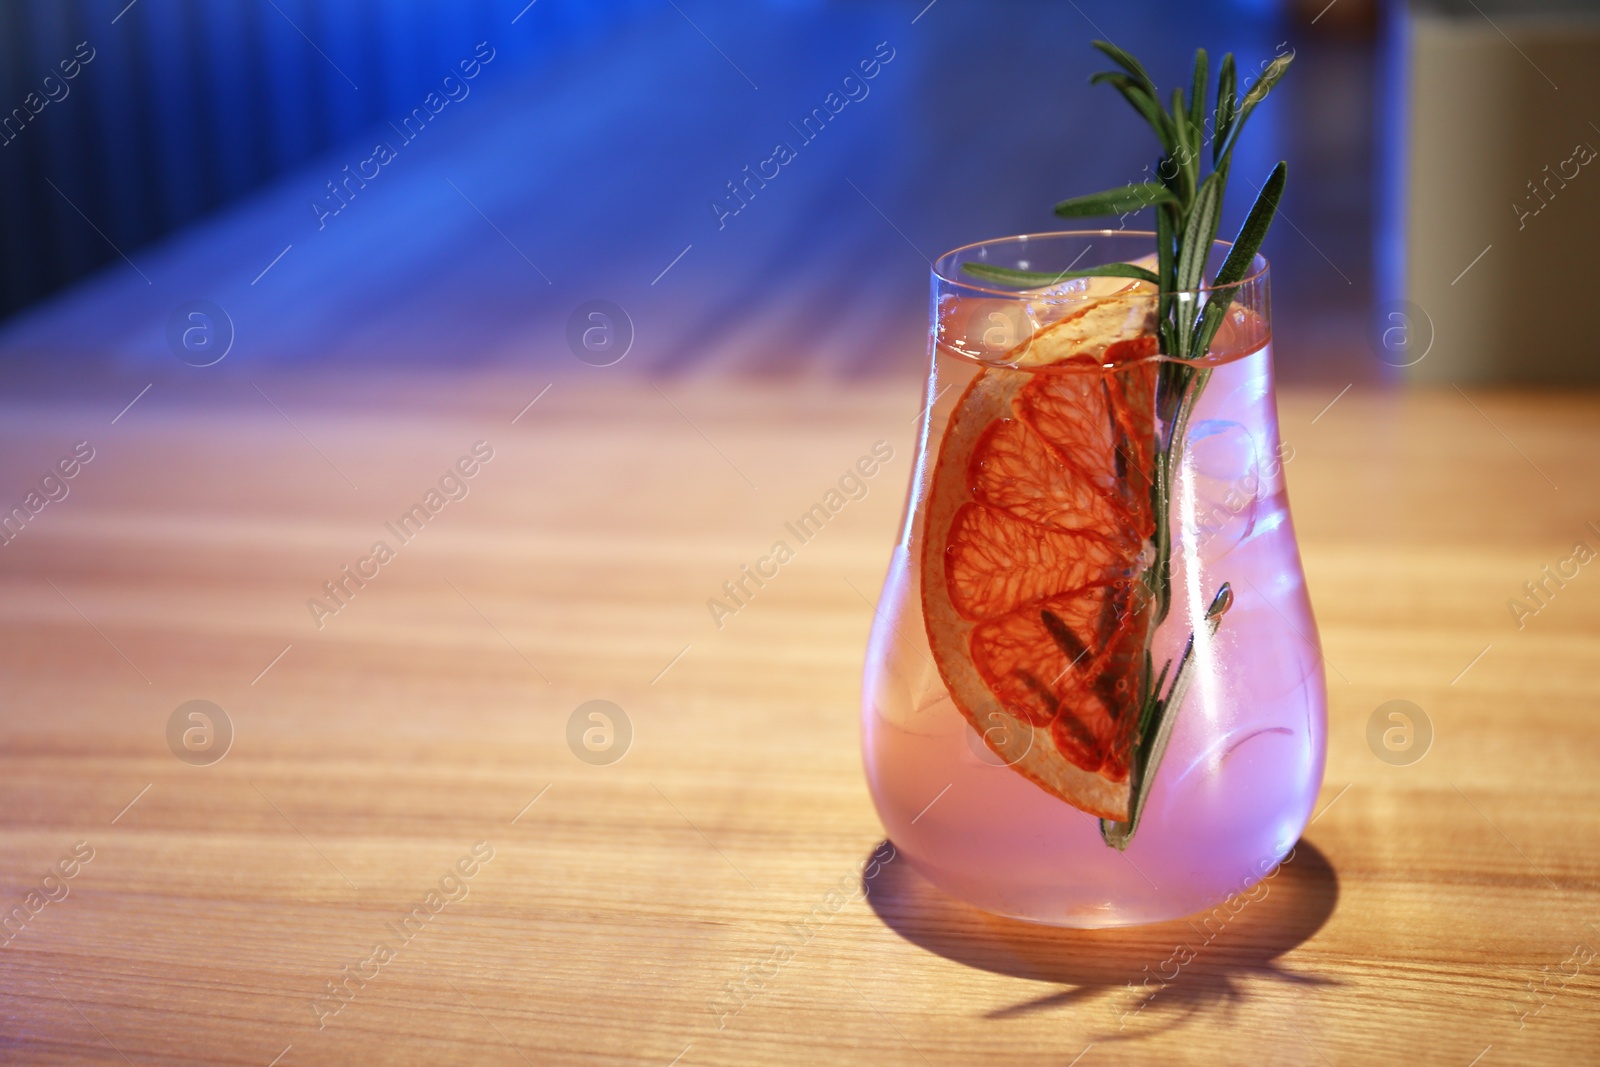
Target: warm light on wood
point(427, 768)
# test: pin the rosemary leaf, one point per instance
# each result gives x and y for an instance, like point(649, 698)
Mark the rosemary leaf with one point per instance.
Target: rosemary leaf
point(1115, 201)
point(1197, 98)
point(1143, 101)
point(1225, 286)
point(1034, 278)
point(1188, 165)
point(1258, 92)
point(1127, 63)
point(1199, 231)
point(1227, 89)
point(1166, 261)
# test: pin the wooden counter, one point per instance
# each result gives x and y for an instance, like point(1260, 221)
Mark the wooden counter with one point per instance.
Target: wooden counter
point(1435, 913)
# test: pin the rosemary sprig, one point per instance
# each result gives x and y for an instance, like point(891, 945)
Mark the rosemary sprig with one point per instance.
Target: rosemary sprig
point(1188, 207)
point(1155, 725)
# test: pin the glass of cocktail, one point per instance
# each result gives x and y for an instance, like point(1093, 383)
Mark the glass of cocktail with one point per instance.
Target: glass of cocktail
point(1094, 692)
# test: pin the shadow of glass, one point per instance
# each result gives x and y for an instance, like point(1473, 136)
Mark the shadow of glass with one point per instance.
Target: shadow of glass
point(1160, 975)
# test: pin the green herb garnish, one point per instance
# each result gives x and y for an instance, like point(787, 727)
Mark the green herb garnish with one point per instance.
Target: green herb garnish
point(1187, 204)
point(1188, 208)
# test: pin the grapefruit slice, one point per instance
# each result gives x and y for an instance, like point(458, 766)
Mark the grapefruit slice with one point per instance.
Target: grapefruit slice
point(1037, 532)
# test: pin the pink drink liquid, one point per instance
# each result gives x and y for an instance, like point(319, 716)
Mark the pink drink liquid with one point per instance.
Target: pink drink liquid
point(1244, 764)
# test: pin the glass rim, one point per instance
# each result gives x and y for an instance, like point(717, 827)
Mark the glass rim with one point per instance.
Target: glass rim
point(1259, 264)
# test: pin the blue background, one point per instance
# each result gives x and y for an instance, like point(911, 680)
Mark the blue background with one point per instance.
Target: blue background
point(586, 159)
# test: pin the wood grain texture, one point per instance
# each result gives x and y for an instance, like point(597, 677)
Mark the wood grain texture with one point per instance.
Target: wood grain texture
point(725, 847)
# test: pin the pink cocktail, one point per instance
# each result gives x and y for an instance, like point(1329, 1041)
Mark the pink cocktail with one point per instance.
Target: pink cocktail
point(1094, 694)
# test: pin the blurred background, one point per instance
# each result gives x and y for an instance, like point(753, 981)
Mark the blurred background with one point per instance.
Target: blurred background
point(338, 189)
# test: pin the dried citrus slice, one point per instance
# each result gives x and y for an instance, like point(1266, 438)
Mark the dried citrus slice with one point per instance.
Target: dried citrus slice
point(1038, 526)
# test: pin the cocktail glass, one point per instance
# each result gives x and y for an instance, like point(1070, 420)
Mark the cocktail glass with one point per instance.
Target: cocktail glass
point(1094, 692)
